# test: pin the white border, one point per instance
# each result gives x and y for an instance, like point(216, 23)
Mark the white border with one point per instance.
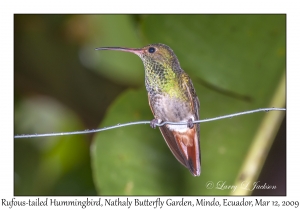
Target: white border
point(291, 8)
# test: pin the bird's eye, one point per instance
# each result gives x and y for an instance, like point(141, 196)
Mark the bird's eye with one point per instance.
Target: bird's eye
point(151, 50)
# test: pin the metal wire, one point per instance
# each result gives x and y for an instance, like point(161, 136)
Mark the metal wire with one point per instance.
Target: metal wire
point(147, 122)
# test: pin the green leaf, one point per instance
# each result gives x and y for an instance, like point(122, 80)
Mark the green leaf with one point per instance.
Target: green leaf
point(236, 63)
point(240, 53)
point(41, 163)
point(135, 163)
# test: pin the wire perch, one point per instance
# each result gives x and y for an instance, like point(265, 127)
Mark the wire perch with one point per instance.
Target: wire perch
point(146, 122)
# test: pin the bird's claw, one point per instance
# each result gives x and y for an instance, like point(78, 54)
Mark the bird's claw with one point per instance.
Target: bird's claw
point(153, 123)
point(190, 123)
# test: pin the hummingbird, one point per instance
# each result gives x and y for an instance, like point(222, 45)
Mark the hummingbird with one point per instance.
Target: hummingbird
point(172, 98)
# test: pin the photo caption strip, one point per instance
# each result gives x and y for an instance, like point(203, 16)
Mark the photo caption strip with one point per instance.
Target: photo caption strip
point(146, 202)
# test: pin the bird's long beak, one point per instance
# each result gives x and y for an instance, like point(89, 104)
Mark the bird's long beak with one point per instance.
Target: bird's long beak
point(131, 50)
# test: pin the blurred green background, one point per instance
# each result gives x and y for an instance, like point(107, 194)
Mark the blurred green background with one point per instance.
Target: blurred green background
point(61, 83)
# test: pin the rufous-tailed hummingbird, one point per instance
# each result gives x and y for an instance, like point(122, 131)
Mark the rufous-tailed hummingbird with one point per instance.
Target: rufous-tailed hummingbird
point(172, 98)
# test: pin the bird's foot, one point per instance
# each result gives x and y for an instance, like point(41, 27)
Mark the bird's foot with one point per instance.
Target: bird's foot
point(190, 123)
point(153, 123)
